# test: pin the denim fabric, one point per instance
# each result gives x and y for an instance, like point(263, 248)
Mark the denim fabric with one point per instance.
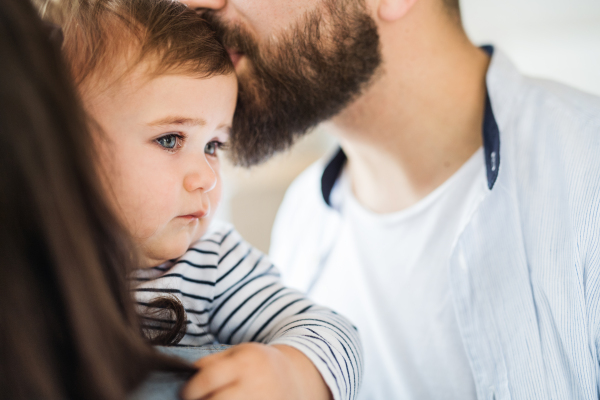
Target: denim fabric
point(165, 386)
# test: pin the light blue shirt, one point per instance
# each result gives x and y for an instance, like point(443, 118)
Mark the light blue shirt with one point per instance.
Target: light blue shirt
point(525, 268)
point(525, 271)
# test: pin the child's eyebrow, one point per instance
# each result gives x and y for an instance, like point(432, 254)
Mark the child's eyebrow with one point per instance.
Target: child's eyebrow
point(176, 120)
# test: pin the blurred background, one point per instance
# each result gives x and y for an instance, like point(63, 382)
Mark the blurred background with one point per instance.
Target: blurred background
point(554, 39)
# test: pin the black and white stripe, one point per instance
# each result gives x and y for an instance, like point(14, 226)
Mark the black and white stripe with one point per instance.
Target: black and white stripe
point(232, 293)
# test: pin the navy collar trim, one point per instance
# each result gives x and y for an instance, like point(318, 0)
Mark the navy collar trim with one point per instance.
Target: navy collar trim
point(491, 146)
point(331, 173)
point(491, 136)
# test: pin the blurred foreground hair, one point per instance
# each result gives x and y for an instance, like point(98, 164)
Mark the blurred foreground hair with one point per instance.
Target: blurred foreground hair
point(68, 326)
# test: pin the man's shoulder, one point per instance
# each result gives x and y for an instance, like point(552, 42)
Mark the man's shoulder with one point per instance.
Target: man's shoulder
point(550, 127)
point(559, 124)
point(559, 130)
point(539, 111)
point(550, 147)
point(574, 102)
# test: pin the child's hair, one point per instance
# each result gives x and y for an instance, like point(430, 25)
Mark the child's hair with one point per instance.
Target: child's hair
point(105, 39)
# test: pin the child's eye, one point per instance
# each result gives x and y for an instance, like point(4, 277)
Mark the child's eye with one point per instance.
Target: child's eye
point(171, 141)
point(212, 147)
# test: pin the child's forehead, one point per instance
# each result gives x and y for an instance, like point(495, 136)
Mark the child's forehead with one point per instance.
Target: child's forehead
point(144, 78)
point(142, 97)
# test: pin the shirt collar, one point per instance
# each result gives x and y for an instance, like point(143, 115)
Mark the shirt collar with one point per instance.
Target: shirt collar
point(491, 150)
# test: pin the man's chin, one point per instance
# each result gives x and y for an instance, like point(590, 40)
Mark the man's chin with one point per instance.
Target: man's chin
point(287, 88)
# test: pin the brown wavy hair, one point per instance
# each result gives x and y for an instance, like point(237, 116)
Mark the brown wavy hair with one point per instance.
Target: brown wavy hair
point(105, 39)
point(68, 325)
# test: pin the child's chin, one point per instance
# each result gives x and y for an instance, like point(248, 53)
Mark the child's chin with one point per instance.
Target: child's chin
point(181, 246)
point(178, 251)
point(164, 248)
point(160, 256)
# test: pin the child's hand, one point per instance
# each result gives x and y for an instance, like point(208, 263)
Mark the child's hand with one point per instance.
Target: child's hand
point(253, 371)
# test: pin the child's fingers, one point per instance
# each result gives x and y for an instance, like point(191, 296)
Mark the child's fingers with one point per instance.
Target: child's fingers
point(212, 377)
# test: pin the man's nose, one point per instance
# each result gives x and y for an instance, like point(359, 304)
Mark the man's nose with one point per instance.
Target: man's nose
point(203, 178)
point(210, 4)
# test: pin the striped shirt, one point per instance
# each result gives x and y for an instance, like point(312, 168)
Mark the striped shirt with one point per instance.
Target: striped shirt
point(232, 293)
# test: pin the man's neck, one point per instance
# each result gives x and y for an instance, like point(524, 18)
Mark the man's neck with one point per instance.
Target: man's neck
point(418, 123)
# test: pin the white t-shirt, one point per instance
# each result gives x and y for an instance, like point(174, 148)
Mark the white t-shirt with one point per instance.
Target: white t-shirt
point(387, 273)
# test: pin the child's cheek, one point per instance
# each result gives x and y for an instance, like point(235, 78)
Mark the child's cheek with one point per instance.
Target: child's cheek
point(146, 219)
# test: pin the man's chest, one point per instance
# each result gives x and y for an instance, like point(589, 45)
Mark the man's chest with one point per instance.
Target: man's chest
point(400, 301)
point(395, 269)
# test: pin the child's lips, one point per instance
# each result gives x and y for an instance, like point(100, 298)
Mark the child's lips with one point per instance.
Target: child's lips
point(195, 215)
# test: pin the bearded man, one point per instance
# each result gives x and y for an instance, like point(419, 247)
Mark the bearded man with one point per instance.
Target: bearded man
point(458, 224)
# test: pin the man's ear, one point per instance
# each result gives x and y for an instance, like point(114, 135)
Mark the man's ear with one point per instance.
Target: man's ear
point(392, 10)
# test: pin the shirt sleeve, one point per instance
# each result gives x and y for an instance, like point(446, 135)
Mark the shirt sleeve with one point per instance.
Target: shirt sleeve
point(251, 304)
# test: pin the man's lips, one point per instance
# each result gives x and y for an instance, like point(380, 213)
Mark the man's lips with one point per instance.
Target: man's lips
point(235, 56)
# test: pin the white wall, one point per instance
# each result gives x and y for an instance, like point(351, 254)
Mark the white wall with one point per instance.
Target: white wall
point(557, 39)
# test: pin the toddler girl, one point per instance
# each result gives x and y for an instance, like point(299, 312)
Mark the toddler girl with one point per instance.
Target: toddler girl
point(161, 93)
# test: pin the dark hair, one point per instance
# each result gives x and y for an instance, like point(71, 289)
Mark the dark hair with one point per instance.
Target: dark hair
point(103, 35)
point(69, 326)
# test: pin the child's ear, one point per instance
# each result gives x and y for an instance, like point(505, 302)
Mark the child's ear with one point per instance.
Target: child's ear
point(392, 10)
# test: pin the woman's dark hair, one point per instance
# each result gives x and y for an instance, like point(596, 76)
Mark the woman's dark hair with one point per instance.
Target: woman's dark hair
point(68, 323)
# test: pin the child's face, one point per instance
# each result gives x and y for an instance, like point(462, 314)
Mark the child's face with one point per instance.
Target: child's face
point(158, 154)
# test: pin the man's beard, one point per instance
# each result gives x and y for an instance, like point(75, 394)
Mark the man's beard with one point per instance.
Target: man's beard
point(309, 75)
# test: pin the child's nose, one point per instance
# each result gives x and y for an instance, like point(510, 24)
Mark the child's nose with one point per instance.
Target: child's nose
point(203, 178)
point(210, 4)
